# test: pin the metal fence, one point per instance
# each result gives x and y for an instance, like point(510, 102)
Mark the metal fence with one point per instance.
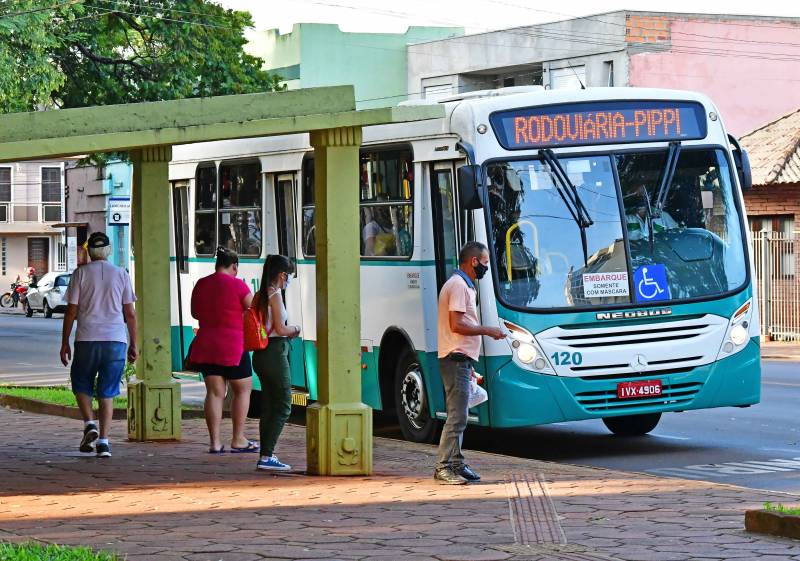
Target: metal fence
point(775, 258)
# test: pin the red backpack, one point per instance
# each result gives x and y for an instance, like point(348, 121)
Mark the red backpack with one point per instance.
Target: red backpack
point(256, 336)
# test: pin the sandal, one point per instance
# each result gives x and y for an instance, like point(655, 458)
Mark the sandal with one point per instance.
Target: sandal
point(251, 447)
point(220, 450)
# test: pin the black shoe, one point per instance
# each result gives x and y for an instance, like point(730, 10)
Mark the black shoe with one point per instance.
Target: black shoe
point(466, 472)
point(90, 434)
point(447, 476)
point(103, 451)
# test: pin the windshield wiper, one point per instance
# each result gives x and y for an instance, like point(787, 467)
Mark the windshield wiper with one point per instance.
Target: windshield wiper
point(572, 200)
point(667, 175)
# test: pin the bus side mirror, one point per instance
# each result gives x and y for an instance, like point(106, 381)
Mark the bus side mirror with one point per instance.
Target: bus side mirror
point(469, 185)
point(742, 162)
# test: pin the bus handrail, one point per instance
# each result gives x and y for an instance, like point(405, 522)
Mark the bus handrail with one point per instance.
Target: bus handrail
point(534, 230)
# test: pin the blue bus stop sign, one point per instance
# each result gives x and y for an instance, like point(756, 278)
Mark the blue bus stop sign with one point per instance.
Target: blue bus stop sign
point(650, 282)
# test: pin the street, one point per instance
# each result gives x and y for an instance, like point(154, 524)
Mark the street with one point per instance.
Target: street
point(755, 447)
point(29, 354)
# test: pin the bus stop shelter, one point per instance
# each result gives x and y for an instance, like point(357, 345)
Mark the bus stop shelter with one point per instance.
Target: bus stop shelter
point(339, 426)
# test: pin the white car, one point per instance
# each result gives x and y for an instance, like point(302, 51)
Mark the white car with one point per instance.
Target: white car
point(48, 295)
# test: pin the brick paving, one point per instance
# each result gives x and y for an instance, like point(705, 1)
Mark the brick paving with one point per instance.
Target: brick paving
point(175, 502)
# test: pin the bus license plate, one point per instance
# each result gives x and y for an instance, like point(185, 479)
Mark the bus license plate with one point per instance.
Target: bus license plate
point(639, 389)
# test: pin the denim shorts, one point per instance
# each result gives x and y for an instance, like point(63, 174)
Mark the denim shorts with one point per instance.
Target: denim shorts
point(103, 360)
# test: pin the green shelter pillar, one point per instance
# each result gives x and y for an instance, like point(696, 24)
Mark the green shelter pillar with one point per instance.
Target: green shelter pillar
point(154, 399)
point(339, 426)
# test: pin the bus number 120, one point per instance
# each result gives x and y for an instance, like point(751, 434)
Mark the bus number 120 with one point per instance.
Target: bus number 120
point(564, 358)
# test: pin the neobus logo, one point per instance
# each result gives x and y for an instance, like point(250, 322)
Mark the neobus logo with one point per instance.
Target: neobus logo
point(635, 314)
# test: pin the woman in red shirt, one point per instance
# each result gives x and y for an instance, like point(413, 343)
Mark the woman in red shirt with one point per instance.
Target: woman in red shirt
point(218, 303)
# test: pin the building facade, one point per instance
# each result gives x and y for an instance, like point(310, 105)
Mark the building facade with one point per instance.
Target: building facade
point(315, 55)
point(99, 201)
point(748, 65)
point(773, 208)
point(31, 202)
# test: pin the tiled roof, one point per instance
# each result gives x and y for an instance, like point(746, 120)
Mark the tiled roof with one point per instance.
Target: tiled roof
point(774, 150)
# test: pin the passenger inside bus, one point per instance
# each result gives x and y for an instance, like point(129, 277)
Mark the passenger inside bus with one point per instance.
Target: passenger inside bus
point(637, 209)
point(379, 235)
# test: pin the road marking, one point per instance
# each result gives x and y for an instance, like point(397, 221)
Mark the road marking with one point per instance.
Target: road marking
point(726, 469)
point(25, 364)
point(669, 436)
point(781, 384)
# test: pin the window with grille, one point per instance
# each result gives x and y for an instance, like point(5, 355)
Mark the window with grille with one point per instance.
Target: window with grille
point(51, 194)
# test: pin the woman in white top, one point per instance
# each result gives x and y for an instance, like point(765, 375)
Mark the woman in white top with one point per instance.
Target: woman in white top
point(272, 364)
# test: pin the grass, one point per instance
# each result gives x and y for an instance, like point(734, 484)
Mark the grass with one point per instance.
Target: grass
point(795, 511)
point(36, 552)
point(58, 395)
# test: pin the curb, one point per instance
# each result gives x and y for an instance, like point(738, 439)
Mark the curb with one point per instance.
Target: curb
point(773, 523)
point(44, 408)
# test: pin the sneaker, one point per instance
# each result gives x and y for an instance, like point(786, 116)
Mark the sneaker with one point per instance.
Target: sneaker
point(103, 450)
point(90, 434)
point(448, 476)
point(273, 464)
point(466, 472)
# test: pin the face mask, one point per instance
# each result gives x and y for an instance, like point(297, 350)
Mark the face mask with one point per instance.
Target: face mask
point(480, 270)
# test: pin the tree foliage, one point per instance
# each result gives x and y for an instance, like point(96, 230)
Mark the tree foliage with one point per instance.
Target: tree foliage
point(75, 53)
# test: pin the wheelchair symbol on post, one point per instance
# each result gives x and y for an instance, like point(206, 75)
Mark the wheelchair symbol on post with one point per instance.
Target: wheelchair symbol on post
point(651, 283)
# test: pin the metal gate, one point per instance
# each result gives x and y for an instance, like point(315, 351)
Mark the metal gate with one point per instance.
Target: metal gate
point(775, 260)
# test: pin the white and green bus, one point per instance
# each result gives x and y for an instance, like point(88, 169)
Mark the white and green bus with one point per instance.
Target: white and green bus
point(615, 222)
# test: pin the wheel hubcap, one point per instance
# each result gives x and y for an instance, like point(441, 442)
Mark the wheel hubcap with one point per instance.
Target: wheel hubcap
point(412, 396)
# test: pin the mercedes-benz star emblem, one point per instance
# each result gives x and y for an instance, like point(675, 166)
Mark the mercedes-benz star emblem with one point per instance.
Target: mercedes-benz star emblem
point(639, 363)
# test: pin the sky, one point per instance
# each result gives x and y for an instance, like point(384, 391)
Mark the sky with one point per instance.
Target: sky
point(474, 15)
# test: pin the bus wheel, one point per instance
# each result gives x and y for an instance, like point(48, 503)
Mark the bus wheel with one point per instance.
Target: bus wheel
point(632, 425)
point(413, 412)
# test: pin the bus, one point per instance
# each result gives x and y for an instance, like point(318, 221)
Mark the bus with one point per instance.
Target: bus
point(615, 222)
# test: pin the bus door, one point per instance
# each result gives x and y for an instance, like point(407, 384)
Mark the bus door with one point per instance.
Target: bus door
point(445, 221)
point(285, 186)
point(180, 236)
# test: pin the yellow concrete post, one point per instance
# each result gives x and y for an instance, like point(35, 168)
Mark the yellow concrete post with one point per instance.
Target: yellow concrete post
point(154, 399)
point(339, 426)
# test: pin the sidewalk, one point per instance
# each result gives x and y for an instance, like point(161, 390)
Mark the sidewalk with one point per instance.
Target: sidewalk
point(771, 350)
point(175, 502)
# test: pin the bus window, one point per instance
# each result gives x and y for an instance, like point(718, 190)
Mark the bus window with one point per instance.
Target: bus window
point(284, 203)
point(309, 238)
point(240, 217)
point(205, 231)
point(387, 191)
point(444, 221)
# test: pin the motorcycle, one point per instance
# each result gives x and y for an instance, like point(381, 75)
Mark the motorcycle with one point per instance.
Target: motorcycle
point(16, 296)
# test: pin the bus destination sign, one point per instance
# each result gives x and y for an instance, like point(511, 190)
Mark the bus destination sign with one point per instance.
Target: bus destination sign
point(613, 122)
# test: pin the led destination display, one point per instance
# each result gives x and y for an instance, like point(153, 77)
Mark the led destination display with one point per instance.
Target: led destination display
point(617, 122)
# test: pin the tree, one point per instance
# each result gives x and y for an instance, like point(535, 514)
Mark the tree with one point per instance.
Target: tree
point(99, 52)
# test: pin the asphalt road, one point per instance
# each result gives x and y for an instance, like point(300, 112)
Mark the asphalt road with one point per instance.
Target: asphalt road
point(29, 354)
point(755, 447)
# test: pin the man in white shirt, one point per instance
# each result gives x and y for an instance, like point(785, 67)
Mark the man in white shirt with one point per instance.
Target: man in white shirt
point(101, 298)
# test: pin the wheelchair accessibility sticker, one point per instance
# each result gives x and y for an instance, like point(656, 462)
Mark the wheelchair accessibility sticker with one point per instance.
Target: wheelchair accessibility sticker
point(651, 283)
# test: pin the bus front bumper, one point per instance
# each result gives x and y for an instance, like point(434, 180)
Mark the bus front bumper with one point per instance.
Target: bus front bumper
point(523, 398)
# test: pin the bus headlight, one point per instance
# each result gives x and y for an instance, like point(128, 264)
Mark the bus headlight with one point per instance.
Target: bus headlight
point(525, 352)
point(738, 335)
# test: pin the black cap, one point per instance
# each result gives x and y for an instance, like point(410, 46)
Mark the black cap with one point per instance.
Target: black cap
point(98, 239)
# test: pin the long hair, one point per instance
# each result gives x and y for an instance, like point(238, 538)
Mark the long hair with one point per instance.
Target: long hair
point(274, 265)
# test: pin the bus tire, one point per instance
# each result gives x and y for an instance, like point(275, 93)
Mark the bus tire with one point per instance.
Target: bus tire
point(413, 410)
point(632, 425)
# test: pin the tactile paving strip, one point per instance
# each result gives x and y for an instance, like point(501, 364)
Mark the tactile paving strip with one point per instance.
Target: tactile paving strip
point(533, 514)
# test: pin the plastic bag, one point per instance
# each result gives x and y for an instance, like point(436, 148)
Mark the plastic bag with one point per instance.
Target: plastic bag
point(477, 394)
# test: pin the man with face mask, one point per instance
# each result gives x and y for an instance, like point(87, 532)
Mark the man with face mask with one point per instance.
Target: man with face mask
point(459, 346)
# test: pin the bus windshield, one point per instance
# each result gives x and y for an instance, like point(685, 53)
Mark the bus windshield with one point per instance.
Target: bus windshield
point(636, 251)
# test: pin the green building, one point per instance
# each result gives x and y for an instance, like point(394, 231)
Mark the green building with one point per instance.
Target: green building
point(323, 55)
